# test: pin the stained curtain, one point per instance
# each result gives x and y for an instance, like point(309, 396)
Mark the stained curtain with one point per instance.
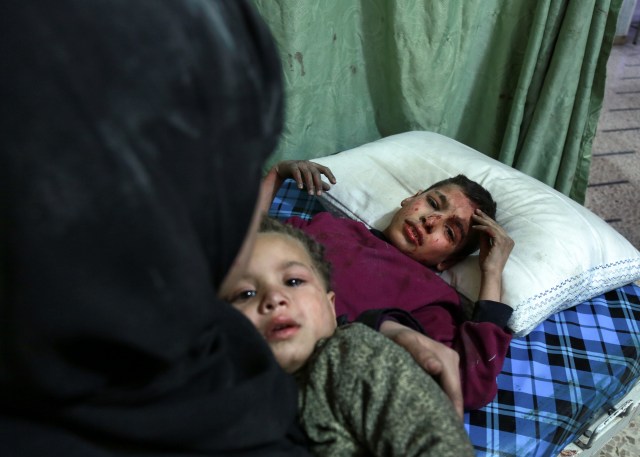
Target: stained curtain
point(519, 80)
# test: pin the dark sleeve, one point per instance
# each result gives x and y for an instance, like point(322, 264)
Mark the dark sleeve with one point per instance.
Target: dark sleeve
point(482, 347)
point(482, 343)
point(374, 318)
point(492, 311)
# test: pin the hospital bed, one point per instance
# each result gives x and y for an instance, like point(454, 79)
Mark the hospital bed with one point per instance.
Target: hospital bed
point(570, 378)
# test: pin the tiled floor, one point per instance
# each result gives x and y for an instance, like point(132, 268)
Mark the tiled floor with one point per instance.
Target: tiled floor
point(614, 191)
point(614, 181)
point(625, 444)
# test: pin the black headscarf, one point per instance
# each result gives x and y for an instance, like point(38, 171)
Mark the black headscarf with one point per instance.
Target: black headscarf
point(132, 139)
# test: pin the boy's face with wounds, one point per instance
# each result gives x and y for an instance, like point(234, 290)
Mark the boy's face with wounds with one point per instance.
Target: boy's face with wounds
point(432, 226)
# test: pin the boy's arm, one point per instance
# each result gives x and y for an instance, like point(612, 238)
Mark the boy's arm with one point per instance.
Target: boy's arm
point(481, 344)
point(495, 247)
point(465, 357)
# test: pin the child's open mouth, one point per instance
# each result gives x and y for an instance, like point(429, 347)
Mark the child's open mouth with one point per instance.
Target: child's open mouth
point(412, 233)
point(282, 330)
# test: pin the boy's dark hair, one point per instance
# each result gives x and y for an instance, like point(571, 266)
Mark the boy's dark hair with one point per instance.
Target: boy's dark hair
point(480, 197)
point(314, 248)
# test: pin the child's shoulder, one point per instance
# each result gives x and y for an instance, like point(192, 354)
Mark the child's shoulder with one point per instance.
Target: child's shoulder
point(356, 345)
point(359, 330)
point(358, 334)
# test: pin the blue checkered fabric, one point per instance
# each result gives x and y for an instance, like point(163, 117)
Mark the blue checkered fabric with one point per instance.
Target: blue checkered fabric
point(571, 368)
point(291, 201)
point(557, 379)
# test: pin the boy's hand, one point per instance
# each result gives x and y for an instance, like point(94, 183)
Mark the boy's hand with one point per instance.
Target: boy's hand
point(306, 173)
point(495, 244)
point(495, 248)
point(438, 360)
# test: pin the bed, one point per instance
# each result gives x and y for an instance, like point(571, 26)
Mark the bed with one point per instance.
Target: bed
point(569, 379)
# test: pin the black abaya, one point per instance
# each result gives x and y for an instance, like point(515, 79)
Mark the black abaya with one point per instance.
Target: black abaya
point(132, 138)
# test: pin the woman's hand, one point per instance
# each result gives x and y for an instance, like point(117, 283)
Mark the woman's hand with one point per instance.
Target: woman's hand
point(435, 358)
point(306, 174)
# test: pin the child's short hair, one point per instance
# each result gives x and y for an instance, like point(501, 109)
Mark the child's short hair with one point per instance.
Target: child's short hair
point(479, 196)
point(313, 247)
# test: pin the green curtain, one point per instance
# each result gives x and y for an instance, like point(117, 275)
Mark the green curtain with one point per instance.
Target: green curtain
point(519, 80)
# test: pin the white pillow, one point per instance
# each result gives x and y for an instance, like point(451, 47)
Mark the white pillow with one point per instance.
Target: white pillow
point(563, 255)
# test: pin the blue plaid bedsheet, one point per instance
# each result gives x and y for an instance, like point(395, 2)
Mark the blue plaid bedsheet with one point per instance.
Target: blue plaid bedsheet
point(558, 378)
point(555, 380)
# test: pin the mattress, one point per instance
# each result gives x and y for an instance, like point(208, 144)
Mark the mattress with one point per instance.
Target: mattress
point(556, 380)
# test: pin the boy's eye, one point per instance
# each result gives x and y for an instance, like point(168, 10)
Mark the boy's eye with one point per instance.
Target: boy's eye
point(450, 234)
point(294, 282)
point(432, 202)
point(244, 295)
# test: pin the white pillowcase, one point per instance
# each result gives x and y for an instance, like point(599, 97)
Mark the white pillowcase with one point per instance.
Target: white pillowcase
point(563, 255)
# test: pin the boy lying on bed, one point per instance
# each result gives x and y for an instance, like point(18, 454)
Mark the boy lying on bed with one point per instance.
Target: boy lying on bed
point(436, 228)
point(359, 393)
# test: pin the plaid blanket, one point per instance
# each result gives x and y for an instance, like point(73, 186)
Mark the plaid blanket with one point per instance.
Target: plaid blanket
point(556, 380)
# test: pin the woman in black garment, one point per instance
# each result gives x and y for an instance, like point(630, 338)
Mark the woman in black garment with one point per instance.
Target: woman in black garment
point(132, 139)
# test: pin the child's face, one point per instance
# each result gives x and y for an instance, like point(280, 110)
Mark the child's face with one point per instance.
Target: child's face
point(430, 227)
point(285, 298)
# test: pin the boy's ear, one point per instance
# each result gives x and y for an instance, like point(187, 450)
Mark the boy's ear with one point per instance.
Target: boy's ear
point(331, 296)
point(448, 263)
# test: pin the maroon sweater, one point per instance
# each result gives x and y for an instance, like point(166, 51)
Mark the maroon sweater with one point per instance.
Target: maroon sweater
point(369, 273)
